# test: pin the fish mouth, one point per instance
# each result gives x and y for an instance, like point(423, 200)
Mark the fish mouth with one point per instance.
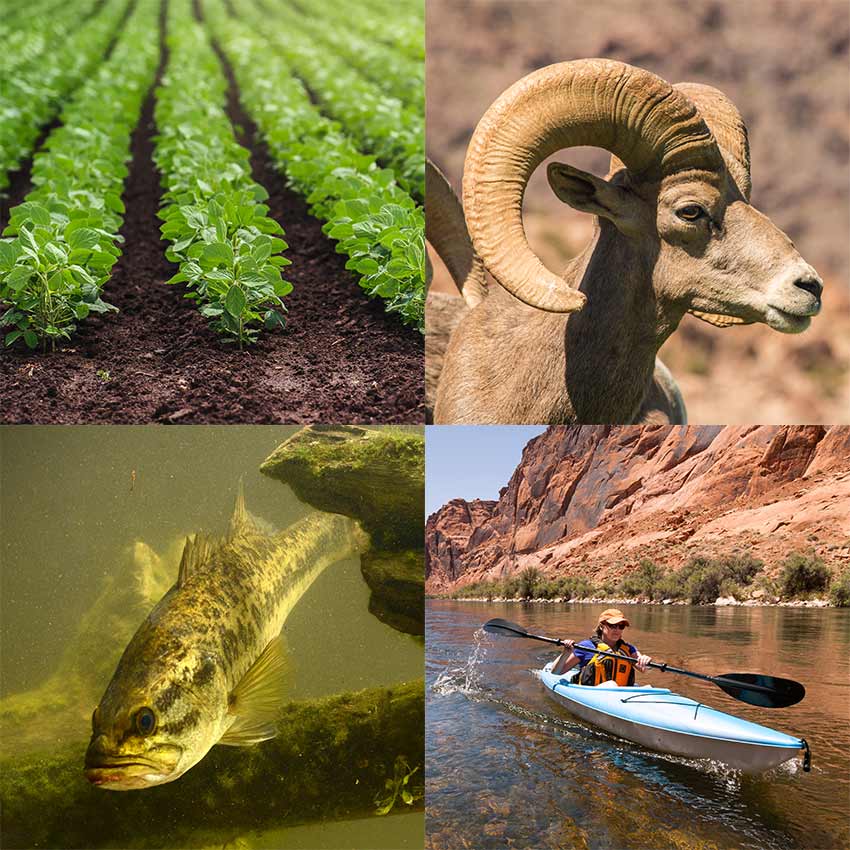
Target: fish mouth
point(126, 775)
point(116, 773)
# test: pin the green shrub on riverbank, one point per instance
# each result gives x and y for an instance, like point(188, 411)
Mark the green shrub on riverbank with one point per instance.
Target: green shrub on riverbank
point(700, 581)
point(839, 591)
point(648, 581)
point(803, 574)
point(529, 579)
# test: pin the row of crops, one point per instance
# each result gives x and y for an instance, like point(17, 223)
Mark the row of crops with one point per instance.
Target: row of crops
point(336, 99)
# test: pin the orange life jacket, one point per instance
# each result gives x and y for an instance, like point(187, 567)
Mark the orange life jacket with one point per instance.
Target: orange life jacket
point(603, 668)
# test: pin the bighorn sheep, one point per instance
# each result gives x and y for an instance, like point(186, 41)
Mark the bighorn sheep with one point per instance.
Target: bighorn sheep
point(674, 234)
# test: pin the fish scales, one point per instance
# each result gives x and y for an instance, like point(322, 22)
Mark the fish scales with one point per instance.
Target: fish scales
point(213, 635)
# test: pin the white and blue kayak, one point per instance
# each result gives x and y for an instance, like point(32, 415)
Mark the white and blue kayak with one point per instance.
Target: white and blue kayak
point(667, 722)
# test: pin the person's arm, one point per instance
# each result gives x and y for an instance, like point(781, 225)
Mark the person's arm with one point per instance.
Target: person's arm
point(566, 660)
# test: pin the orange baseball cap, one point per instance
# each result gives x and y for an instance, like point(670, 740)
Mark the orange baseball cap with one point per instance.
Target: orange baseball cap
point(613, 616)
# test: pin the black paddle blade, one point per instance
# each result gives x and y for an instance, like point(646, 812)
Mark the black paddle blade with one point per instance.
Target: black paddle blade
point(756, 689)
point(504, 627)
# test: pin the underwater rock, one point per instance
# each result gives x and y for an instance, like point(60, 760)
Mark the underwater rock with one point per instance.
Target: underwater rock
point(332, 759)
point(396, 580)
point(376, 476)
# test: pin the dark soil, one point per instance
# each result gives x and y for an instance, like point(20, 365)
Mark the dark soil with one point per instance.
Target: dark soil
point(340, 358)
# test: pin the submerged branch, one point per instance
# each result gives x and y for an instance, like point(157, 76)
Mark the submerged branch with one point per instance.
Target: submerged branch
point(331, 760)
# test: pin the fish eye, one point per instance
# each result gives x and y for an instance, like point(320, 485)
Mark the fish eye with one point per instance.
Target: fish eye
point(691, 212)
point(145, 721)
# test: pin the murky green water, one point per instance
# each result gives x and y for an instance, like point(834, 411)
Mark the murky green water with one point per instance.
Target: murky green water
point(508, 767)
point(82, 505)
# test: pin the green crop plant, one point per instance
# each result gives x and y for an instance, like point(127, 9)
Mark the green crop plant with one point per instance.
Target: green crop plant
point(33, 94)
point(377, 224)
point(65, 234)
point(397, 75)
point(27, 41)
point(392, 26)
point(379, 123)
point(228, 248)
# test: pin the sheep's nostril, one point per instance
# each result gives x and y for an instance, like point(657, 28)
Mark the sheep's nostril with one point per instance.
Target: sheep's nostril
point(811, 285)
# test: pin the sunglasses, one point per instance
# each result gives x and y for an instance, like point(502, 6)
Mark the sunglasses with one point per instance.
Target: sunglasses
point(620, 626)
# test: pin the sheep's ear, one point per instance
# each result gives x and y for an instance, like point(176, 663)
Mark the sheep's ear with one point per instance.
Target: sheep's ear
point(592, 194)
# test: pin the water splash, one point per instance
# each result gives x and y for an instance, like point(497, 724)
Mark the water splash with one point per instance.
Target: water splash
point(467, 678)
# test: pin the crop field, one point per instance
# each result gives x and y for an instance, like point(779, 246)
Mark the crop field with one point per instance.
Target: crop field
point(212, 211)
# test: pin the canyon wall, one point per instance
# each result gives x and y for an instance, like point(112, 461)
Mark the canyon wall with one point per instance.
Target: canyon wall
point(595, 500)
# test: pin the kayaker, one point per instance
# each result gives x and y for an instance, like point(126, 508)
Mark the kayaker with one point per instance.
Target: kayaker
point(595, 668)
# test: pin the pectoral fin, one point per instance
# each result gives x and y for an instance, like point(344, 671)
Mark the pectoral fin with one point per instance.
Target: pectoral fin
point(257, 699)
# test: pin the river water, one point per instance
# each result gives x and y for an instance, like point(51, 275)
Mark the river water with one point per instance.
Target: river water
point(507, 767)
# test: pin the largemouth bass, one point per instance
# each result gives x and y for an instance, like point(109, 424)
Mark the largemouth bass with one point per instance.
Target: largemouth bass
point(206, 665)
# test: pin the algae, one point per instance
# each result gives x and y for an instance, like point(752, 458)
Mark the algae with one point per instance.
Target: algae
point(330, 760)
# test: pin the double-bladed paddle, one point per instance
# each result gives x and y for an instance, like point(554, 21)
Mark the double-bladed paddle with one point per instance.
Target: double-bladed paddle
point(754, 688)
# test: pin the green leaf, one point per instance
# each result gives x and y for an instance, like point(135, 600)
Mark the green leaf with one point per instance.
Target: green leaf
point(83, 237)
point(235, 301)
point(81, 273)
point(219, 275)
point(81, 310)
point(282, 287)
point(180, 244)
point(8, 256)
point(114, 203)
point(273, 319)
point(12, 336)
point(218, 252)
point(399, 268)
point(262, 251)
point(31, 339)
point(364, 266)
point(36, 213)
point(56, 252)
point(18, 278)
point(340, 231)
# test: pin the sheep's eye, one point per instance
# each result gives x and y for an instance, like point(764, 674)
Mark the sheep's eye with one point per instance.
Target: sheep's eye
point(145, 721)
point(691, 212)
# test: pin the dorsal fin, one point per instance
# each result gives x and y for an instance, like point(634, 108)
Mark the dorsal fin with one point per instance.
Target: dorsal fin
point(241, 521)
point(185, 560)
point(197, 550)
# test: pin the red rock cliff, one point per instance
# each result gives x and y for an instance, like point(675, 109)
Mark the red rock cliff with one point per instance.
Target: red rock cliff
point(594, 500)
